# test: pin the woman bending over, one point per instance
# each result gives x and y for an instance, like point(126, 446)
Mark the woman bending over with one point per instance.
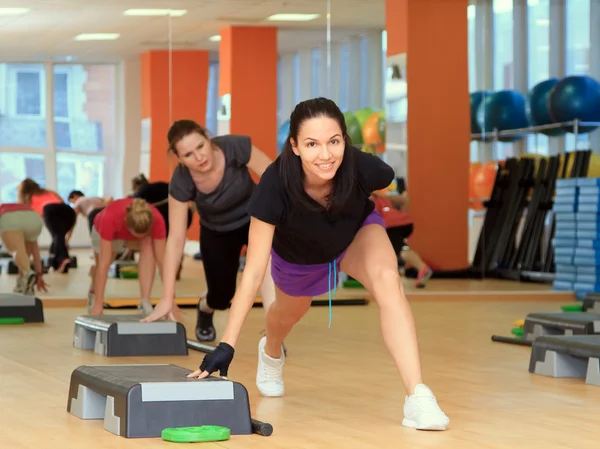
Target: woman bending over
point(215, 173)
point(58, 216)
point(20, 228)
point(311, 214)
point(127, 223)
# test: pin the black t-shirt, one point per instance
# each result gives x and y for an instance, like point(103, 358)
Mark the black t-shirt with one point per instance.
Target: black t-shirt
point(153, 192)
point(315, 237)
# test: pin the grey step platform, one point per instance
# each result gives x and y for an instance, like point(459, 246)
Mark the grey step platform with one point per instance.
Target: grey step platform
point(559, 356)
point(115, 268)
point(16, 305)
point(125, 335)
point(140, 401)
point(567, 323)
point(591, 303)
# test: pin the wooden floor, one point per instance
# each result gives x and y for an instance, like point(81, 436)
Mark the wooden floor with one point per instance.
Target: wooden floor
point(342, 390)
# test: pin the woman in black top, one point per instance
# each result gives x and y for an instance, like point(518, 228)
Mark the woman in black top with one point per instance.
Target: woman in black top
point(311, 214)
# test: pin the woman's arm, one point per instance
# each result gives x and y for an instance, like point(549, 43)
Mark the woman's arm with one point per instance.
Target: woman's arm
point(260, 239)
point(104, 261)
point(259, 161)
point(158, 246)
point(37, 263)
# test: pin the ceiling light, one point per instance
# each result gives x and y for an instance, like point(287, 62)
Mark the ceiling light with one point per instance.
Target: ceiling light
point(97, 37)
point(13, 11)
point(215, 38)
point(293, 17)
point(155, 12)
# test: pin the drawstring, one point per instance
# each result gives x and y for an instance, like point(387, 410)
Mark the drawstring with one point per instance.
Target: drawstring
point(334, 287)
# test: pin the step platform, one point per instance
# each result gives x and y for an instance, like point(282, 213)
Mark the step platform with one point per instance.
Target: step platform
point(567, 357)
point(591, 303)
point(16, 305)
point(125, 335)
point(115, 268)
point(565, 323)
point(140, 401)
point(8, 266)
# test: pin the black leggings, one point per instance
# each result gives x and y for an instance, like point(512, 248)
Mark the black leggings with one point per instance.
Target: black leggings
point(59, 219)
point(221, 260)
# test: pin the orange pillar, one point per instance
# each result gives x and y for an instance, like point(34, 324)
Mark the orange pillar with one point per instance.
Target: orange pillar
point(248, 76)
point(434, 34)
point(172, 91)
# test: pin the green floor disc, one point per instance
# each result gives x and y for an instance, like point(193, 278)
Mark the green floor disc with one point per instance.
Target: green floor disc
point(196, 434)
point(572, 308)
point(16, 320)
point(517, 331)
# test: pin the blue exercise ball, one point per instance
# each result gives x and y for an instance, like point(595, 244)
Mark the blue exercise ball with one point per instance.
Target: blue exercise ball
point(282, 135)
point(538, 106)
point(503, 110)
point(476, 99)
point(576, 97)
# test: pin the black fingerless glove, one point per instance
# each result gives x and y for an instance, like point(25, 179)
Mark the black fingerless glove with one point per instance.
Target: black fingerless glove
point(218, 360)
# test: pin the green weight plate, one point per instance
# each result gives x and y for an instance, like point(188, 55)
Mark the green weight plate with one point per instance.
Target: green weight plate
point(196, 434)
point(517, 331)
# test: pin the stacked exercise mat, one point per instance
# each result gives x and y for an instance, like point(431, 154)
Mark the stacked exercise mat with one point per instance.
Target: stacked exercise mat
point(576, 240)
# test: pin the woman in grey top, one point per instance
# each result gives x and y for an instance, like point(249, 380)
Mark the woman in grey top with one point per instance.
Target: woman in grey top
point(215, 173)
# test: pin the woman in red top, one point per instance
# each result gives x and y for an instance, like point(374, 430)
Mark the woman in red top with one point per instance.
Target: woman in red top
point(133, 224)
point(399, 228)
point(20, 228)
point(58, 216)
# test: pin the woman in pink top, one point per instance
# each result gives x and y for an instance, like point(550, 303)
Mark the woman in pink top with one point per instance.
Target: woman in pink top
point(20, 228)
point(58, 216)
point(127, 223)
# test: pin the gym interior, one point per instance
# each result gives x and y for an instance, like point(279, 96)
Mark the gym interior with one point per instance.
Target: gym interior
point(487, 110)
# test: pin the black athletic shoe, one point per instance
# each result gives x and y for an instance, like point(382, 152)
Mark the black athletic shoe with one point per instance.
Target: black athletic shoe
point(205, 331)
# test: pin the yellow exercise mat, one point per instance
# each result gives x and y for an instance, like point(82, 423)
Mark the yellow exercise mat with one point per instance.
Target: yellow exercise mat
point(115, 303)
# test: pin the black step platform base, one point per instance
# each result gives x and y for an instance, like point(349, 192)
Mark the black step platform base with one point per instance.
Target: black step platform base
point(16, 305)
point(125, 335)
point(566, 323)
point(140, 401)
point(575, 357)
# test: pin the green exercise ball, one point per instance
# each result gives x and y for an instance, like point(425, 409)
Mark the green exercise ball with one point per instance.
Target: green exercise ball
point(353, 128)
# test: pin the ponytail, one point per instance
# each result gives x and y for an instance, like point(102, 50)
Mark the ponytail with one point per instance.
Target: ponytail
point(139, 217)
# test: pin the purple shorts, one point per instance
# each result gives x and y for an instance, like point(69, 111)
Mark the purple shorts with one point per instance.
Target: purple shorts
point(311, 280)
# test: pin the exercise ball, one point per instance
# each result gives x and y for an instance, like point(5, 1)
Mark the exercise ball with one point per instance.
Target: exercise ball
point(362, 115)
point(538, 107)
point(503, 110)
point(382, 126)
point(353, 128)
point(370, 131)
point(476, 99)
point(282, 135)
point(576, 97)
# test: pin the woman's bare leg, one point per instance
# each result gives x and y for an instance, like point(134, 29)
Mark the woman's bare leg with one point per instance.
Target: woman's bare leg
point(370, 259)
point(15, 244)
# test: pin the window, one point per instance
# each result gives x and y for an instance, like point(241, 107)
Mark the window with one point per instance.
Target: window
point(502, 59)
point(472, 51)
point(344, 82)
point(85, 107)
point(538, 63)
point(22, 105)
point(296, 78)
point(14, 167)
point(79, 172)
point(212, 99)
point(503, 44)
point(383, 64)
point(315, 56)
point(364, 72)
point(577, 37)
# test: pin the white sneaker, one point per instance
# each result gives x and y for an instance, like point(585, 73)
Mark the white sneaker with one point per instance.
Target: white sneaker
point(422, 412)
point(28, 283)
point(146, 306)
point(19, 285)
point(269, 375)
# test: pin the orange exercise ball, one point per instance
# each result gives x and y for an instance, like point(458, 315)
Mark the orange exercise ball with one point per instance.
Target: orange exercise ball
point(371, 134)
point(484, 180)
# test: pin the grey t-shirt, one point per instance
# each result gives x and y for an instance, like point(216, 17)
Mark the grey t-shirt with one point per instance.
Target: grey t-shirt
point(223, 209)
